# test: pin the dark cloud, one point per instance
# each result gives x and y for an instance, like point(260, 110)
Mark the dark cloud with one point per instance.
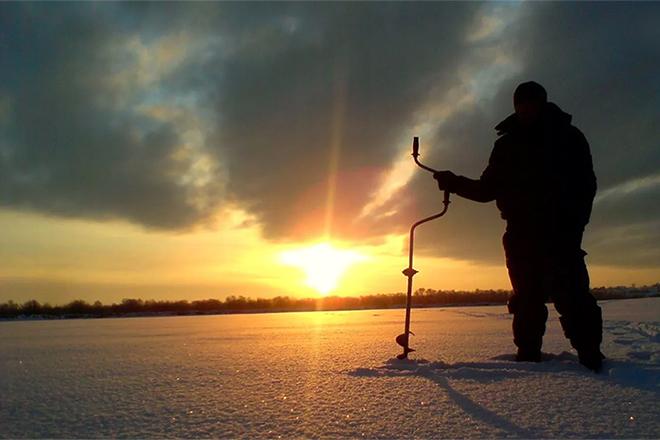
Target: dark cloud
point(318, 89)
point(66, 146)
point(283, 83)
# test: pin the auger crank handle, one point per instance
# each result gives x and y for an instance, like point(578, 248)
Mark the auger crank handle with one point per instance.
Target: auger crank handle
point(415, 152)
point(415, 155)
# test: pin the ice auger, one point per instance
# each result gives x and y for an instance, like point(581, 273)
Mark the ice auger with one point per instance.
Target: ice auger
point(404, 338)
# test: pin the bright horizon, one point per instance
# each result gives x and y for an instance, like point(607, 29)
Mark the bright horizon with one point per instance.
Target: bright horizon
point(126, 261)
point(264, 149)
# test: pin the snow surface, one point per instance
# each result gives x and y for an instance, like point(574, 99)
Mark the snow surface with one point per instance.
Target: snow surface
point(326, 374)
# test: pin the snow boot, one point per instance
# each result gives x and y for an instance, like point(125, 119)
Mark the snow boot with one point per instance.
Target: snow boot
point(592, 359)
point(525, 355)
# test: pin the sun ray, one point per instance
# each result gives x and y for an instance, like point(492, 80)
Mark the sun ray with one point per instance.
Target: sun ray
point(336, 133)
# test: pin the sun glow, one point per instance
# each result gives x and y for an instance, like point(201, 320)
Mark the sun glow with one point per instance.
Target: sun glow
point(323, 264)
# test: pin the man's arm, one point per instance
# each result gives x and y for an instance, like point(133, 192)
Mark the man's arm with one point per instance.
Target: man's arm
point(481, 190)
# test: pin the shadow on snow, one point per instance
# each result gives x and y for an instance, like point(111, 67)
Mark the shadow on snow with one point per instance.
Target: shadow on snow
point(503, 367)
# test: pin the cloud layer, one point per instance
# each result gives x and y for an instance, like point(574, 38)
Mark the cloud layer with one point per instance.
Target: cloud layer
point(297, 113)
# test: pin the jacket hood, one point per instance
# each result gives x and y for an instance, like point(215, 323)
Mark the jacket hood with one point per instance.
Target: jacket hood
point(552, 114)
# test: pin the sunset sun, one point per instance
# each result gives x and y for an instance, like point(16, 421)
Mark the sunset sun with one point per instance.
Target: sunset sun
point(322, 264)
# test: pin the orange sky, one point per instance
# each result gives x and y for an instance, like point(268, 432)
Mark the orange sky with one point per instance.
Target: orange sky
point(57, 260)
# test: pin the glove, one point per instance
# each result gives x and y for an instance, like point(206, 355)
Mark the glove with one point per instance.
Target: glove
point(446, 180)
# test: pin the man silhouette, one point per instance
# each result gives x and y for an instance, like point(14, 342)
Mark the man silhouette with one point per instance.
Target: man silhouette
point(541, 176)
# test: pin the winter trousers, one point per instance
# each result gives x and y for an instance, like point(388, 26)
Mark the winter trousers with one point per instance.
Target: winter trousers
point(558, 273)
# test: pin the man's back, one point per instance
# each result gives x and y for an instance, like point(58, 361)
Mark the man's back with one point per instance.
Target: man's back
point(542, 175)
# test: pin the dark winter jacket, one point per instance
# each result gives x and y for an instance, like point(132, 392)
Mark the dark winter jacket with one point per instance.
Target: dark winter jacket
point(541, 177)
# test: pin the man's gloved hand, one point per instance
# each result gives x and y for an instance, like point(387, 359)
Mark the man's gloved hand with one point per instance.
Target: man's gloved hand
point(446, 180)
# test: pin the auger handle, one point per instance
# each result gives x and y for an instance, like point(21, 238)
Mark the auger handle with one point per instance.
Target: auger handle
point(415, 155)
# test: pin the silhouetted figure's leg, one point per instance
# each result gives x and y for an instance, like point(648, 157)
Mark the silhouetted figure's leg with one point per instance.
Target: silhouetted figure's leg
point(527, 304)
point(580, 315)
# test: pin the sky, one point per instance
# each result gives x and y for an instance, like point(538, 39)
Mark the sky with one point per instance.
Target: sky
point(198, 150)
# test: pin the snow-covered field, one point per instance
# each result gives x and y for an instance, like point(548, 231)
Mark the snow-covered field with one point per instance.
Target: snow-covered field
point(325, 375)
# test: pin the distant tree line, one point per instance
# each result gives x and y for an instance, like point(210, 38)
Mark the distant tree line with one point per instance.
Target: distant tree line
point(240, 304)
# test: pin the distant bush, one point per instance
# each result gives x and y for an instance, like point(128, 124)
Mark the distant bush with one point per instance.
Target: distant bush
point(241, 304)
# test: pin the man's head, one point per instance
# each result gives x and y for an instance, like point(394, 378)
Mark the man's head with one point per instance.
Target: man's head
point(528, 100)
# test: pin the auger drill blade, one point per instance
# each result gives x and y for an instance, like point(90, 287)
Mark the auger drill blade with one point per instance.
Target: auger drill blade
point(403, 340)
